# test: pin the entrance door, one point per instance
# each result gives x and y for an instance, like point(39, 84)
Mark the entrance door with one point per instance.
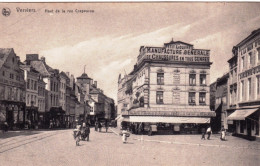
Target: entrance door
point(249, 125)
point(10, 118)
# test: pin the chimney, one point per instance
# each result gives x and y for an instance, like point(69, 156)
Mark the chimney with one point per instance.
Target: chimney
point(95, 83)
point(31, 57)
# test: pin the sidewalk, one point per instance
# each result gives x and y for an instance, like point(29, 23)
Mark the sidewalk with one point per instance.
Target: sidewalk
point(195, 140)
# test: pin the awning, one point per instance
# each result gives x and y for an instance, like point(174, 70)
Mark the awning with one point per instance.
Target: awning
point(157, 119)
point(241, 114)
point(120, 118)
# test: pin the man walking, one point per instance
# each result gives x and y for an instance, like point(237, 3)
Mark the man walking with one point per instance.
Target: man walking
point(209, 132)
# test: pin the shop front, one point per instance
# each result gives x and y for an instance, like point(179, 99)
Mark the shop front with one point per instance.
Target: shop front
point(246, 122)
point(185, 122)
point(56, 117)
point(12, 113)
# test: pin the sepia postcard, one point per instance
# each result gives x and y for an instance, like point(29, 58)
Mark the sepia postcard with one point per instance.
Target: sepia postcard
point(129, 83)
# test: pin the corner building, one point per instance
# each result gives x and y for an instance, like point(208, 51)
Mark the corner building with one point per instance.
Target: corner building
point(245, 95)
point(170, 86)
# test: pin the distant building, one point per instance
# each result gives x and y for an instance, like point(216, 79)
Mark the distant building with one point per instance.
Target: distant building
point(12, 89)
point(169, 85)
point(220, 103)
point(244, 86)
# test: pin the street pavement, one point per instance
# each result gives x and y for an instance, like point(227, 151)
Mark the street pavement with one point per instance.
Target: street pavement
point(58, 148)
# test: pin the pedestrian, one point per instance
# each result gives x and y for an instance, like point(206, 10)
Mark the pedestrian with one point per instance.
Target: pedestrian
point(77, 134)
point(106, 126)
point(96, 125)
point(99, 126)
point(209, 132)
point(5, 127)
point(87, 131)
point(124, 135)
point(203, 131)
point(223, 134)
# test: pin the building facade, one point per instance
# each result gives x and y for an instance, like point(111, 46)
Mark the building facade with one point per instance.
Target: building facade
point(247, 100)
point(170, 85)
point(220, 93)
point(12, 89)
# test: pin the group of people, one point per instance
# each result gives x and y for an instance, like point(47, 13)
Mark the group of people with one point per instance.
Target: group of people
point(81, 132)
point(209, 132)
point(98, 126)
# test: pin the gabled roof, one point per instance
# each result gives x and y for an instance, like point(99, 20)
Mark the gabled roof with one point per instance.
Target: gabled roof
point(4, 53)
point(65, 75)
point(40, 67)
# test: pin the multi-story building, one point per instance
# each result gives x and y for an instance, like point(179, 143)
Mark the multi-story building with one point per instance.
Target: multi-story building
point(220, 103)
point(246, 115)
point(31, 77)
point(170, 84)
point(41, 101)
point(51, 77)
point(12, 89)
point(62, 97)
point(123, 94)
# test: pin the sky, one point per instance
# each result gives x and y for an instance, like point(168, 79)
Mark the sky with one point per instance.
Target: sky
point(107, 40)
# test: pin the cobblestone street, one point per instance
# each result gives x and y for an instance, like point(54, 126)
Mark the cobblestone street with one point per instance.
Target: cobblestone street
point(57, 147)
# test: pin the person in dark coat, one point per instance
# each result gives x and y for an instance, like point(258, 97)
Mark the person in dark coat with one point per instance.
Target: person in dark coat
point(203, 131)
point(99, 126)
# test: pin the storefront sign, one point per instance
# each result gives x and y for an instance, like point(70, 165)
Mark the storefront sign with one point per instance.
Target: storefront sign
point(177, 58)
point(172, 113)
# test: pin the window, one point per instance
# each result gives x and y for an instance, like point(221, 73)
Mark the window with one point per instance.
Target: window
point(32, 84)
point(28, 84)
point(11, 76)
point(17, 78)
point(160, 78)
point(250, 58)
point(202, 98)
point(202, 79)
point(3, 73)
point(258, 84)
point(35, 85)
point(249, 88)
point(192, 79)
point(192, 98)
point(242, 63)
point(242, 90)
point(159, 97)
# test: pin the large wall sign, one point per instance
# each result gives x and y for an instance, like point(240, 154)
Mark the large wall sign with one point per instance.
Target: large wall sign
point(178, 52)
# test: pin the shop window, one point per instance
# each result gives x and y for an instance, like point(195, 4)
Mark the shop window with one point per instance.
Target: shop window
point(192, 79)
point(202, 98)
point(191, 98)
point(159, 97)
point(202, 79)
point(160, 78)
point(242, 126)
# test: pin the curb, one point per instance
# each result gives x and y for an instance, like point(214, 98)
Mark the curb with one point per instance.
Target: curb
point(114, 132)
point(194, 144)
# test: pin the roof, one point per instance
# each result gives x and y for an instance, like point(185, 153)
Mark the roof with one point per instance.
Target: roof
point(175, 42)
point(40, 67)
point(84, 76)
point(65, 75)
point(4, 53)
point(253, 34)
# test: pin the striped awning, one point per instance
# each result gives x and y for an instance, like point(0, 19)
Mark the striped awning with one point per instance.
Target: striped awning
point(158, 119)
point(241, 114)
